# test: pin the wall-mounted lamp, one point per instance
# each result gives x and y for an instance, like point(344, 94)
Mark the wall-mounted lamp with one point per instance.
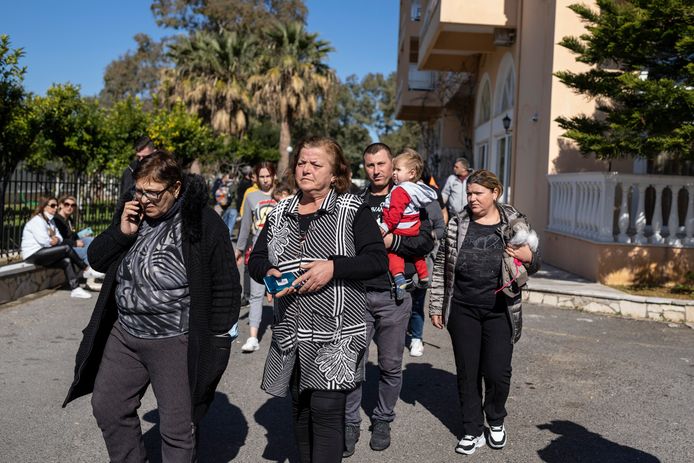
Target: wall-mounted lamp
point(507, 123)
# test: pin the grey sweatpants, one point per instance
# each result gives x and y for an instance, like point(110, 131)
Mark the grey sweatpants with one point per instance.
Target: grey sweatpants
point(388, 321)
point(127, 367)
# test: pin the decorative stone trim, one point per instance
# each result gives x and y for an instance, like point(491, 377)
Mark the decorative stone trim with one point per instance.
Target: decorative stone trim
point(649, 308)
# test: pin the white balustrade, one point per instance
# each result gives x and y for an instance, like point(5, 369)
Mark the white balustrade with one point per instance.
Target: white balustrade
point(584, 204)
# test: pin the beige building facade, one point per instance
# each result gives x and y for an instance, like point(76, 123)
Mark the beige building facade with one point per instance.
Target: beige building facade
point(479, 76)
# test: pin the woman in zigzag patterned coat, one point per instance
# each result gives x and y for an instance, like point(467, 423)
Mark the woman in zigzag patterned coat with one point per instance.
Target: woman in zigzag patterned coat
point(331, 242)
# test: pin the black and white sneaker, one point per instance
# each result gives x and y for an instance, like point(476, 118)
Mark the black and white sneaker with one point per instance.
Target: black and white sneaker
point(497, 436)
point(469, 444)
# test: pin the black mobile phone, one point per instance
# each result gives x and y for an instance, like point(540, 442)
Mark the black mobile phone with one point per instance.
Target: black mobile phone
point(137, 217)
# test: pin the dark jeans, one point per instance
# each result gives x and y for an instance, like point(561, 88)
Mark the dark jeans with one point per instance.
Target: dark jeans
point(416, 327)
point(60, 256)
point(387, 320)
point(319, 423)
point(127, 367)
point(482, 348)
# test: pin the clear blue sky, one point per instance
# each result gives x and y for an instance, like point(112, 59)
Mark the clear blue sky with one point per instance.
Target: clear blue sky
point(74, 40)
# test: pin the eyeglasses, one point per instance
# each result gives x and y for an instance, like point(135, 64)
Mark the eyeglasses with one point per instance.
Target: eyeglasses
point(69, 204)
point(153, 196)
point(52, 205)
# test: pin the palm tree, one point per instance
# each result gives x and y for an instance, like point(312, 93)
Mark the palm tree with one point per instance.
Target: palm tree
point(292, 80)
point(210, 77)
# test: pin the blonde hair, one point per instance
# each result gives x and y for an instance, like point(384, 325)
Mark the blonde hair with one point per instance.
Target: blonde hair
point(487, 179)
point(413, 160)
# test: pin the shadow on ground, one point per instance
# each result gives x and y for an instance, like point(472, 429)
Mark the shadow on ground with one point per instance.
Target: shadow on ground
point(435, 390)
point(223, 432)
point(275, 416)
point(577, 444)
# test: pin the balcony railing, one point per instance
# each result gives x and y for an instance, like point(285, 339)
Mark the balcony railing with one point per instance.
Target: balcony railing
point(419, 80)
point(624, 208)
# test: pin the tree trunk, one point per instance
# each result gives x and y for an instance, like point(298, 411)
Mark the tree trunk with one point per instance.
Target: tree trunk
point(285, 140)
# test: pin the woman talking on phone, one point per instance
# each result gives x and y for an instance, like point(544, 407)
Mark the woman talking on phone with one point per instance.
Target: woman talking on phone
point(328, 240)
point(168, 300)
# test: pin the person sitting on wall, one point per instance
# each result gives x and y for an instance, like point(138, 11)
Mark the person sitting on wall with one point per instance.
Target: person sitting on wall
point(79, 241)
point(42, 244)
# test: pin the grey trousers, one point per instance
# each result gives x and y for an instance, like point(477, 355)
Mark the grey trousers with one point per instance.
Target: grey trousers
point(127, 367)
point(388, 321)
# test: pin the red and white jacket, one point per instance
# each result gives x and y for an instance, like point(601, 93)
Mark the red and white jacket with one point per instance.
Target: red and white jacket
point(402, 205)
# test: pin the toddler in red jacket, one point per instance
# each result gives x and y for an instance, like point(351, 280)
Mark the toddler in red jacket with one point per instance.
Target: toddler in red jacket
point(401, 214)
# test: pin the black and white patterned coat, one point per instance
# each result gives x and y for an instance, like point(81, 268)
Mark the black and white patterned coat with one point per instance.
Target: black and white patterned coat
point(323, 330)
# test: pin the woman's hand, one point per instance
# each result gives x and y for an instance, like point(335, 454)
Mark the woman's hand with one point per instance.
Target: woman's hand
point(54, 240)
point(273, 272)
point(437, 321)
point(522, 253)
point(239, 258)
point(316, 275)
point(79, 243)
point(131, 218)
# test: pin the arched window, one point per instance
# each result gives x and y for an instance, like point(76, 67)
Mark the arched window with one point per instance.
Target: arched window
point(507, 93)
point(484, 110)
point(506, 86)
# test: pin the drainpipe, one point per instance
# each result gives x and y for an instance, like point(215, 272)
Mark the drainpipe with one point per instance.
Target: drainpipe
point(516, 105)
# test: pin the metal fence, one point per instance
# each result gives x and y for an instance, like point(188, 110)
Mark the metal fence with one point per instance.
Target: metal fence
point(96, 196)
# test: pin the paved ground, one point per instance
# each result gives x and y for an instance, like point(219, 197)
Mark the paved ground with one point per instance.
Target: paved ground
point(585, 389)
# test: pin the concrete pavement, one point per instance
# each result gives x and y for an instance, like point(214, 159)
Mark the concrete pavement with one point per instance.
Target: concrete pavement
point(586, 388)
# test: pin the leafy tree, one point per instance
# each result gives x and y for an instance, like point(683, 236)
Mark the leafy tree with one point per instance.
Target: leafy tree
point(407, 135)
point(641, 54)
point(380, 90)
point(72, 130)
point(292, 79)
point(184, 135)
point(17, 124)
point(229, 15)
point(135, 74)
point(340, 116)
point(126, 121)
point(210, 78)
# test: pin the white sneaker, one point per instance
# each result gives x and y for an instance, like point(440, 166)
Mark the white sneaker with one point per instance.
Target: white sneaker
point(251, 345)
point(79, 293)
point(497, 436)
point(416, 348)
point(91, 273)
point(469, 444)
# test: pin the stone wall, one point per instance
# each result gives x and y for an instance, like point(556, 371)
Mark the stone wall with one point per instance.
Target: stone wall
point(18, 280)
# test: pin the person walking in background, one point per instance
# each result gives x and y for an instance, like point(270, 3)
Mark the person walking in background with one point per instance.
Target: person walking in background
point(386, 318)
point(42, 244)
point(169, 298)
point(246, 185)
point(144, 146)
point(256, 209)
point(328, 239)
point(401, 215)
point(223, 192)
point(64, 220)
point(454, 192)
point(476, 293)
point(435, 215)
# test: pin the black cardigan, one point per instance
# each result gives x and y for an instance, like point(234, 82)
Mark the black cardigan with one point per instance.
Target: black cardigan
point(215, 294)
